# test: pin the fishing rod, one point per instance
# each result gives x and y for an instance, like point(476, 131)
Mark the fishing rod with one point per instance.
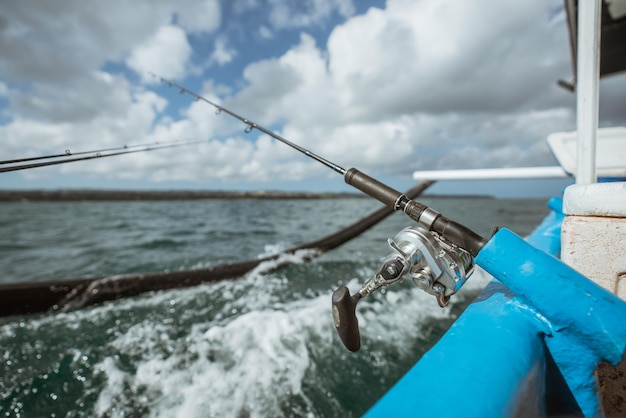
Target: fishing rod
point(450, 230)
point(251, 125)
point(96, 154)
point(69, 153)
point(438, 255)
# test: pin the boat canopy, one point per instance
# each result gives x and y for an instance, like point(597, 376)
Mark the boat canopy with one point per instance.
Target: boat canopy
point(612, 35)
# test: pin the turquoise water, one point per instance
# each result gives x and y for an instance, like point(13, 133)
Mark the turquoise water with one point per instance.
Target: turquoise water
point(259, 346)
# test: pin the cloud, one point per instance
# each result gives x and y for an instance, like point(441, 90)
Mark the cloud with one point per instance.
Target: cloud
point(445, 56)
point(265, 32)
point(300, 14)
point(166, 53)
point(290, 14)
point(408, 87)
point(131, 125)
point(63, 39)
point(222, 53)
point(54, 54)
point(416, 85)
point(295, 87)
point(199, 16)
point(59, 40)
point(85, 97)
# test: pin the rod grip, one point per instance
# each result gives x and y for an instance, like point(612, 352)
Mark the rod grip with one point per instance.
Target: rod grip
point(458, 234)
point(372, 187)
point(452, 231)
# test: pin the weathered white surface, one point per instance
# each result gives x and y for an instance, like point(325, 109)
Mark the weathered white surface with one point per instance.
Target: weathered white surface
point(491, 173)
point(599, 199)
point(587, 93)
point(610, 151)
point(596, 247)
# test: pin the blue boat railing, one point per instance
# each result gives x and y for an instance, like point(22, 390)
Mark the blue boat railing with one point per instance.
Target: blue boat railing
point(529, 344)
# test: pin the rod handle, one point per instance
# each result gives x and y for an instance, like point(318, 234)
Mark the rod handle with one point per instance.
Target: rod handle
point(344, 317)
point(454, 232)
point(372, 187)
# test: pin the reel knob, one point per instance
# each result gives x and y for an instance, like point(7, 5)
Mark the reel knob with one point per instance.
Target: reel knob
point(344, 317)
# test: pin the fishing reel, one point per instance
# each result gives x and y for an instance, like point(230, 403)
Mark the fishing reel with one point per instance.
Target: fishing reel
point(433, 264)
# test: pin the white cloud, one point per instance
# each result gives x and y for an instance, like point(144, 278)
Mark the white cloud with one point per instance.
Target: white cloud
point(166, 53)
point(54, 53)
point(131, 123)
point(295, 89)
point(59, 40)
point(393, 78)
point(447, 56)
point(81, 99)
point(62, 39)
point(428, 84)
point(222, 53)
point(388, 109)
point(199, 16)
point(265, 32)
point(305, 13)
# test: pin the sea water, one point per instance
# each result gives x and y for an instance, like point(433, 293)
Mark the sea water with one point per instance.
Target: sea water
point(260, 346)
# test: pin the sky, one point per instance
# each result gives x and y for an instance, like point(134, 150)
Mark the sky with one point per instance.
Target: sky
point(388, 87)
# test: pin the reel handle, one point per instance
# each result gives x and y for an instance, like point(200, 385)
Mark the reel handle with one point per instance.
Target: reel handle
point(344, 317)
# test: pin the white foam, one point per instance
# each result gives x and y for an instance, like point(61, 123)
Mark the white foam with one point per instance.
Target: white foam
point(114, 389)
point(273, 249)
point(477, 281)
point(250, 355)
point(297, 257)
point(252, 363)
point(248, 366)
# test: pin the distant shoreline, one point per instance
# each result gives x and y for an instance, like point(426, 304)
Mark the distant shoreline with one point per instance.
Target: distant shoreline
point(26, 196)
point(7, 196)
